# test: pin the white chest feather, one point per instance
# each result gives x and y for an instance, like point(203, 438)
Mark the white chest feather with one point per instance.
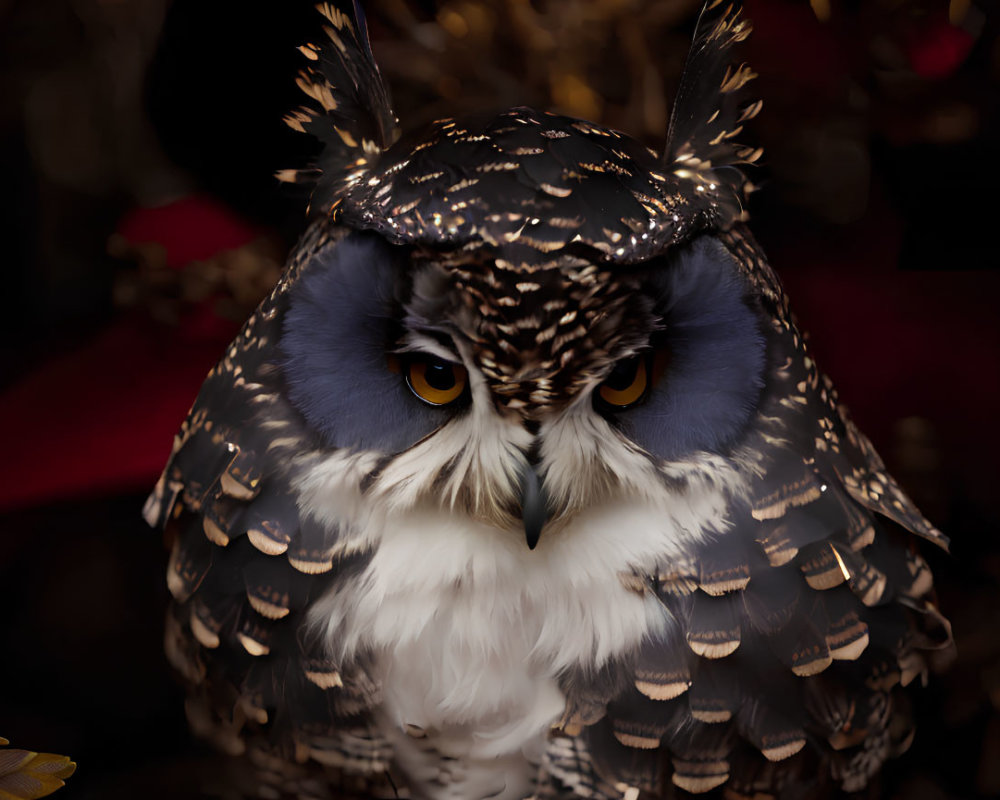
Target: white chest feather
point(471, 630)
point(475, 627)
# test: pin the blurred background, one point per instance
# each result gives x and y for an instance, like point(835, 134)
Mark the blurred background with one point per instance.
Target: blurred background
point(142, 222)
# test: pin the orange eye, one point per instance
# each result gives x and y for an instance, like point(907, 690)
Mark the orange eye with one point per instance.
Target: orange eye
point(435, 381)
point(627, 383)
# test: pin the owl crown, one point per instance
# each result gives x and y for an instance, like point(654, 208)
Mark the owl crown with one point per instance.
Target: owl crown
point(433, 188)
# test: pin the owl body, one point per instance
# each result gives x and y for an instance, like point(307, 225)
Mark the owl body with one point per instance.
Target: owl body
point(522, 481)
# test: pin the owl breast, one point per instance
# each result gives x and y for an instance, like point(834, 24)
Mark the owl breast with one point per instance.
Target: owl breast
point(471, 631)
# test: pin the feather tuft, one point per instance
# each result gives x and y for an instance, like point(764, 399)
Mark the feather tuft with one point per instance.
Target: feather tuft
point(352, 116)
point(708, 116)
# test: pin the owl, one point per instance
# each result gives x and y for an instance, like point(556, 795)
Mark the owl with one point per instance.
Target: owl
point(522, 481)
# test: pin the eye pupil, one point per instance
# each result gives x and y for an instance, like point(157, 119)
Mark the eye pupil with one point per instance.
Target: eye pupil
point(622, 376)
point(440, 376)
point(625, 385)
point(436, 381)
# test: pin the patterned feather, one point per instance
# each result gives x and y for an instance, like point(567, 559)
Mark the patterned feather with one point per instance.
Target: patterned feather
point(244, 567)
point(826, 568)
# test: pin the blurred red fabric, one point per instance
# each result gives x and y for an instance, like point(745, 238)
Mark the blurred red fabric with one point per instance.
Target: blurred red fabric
point(101, 417)
point(191, 228)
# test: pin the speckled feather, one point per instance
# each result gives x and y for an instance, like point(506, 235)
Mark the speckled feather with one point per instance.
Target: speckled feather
point(796, 637)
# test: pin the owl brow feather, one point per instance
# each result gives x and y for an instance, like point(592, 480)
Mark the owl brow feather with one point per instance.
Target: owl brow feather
point(433, 341)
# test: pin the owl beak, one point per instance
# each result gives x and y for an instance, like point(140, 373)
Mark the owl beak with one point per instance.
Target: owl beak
point(534, 506)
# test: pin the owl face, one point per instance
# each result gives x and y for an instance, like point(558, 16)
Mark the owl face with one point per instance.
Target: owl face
point(496, 361)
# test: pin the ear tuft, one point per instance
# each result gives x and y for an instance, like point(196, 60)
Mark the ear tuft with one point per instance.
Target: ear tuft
point(350, 113)
point(708, 115)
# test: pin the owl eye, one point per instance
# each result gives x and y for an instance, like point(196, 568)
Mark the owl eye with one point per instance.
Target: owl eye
point(434, 380)
point(631, 379)
point(627, 383)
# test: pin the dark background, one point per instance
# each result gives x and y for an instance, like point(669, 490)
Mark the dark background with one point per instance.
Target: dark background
point(142, 221)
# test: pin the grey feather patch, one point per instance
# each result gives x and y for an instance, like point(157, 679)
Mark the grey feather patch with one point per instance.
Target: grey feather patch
point(712, 384)
point(342, 321)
